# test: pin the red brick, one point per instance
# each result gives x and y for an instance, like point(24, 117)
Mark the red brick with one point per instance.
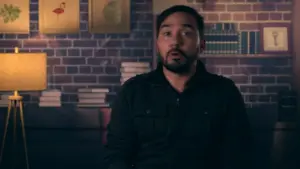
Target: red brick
point(238, 7)
point(74, 61)
point(245, 70)
point(10, 43)
point(85, 79)
point(287, 16)
point(72, 88)
point(62, 79)
point(277, 88)
point(284, 7)
point(250, 16)
point(211, 17)
point(85, 69)
point(263, 79)
point(225, 16)
point(284, 79)
point(212, 69)
point(214, 7)
point(226, 70)
point(238, 17)
point(221, 61)
point(263, 7)
point(239, 0)
point(34, 43)
point(249, 26)
point(251, 88)
point(59, 69)
point(275, 16)
point(53, 61)
point(108, 79)
point(263, 16)
point(240, 79)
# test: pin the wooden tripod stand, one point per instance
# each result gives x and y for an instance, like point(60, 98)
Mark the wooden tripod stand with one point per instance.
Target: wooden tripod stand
point(15, 102)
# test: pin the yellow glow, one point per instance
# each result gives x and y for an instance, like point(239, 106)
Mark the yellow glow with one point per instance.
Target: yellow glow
point(23, 71)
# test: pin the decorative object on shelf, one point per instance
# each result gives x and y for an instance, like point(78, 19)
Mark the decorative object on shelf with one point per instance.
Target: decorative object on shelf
point(14, 16)
point(92, 97)
point(131, 69)
point(20, 72)
point(59, 16)
point(275, 38)
point(109, 16)
point(50, 98)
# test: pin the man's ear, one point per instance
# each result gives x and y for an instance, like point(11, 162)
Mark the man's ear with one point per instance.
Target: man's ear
point(202, 46)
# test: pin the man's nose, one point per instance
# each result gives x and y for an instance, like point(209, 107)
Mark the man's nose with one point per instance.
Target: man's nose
point(176, 41)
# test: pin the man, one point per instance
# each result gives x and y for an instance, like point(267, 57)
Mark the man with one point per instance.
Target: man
point(178, 116)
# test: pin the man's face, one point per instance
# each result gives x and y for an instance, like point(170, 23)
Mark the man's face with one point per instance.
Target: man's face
point(178, 42)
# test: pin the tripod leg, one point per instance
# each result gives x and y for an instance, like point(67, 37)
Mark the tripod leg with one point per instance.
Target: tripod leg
point(14, 153)
point(5, 130)
point(23, 133)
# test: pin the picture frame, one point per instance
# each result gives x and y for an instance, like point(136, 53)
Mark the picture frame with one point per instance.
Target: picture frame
point(109, 16)
point(59, 17)
point(14, 16)
point(275, 38)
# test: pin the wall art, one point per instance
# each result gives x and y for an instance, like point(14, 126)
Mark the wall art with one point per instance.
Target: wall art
point(109, 16)
point(14, 16)
point(275, 38)
point(59, 16)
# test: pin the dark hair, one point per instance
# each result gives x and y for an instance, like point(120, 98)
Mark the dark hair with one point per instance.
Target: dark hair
point(181, 8)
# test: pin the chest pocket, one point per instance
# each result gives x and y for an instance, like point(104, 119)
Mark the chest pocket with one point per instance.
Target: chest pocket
point(151, 121)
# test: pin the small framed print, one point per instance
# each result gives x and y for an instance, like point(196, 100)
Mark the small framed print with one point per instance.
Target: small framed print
point(109, 16)
point(59, 17)
point(275, 38)
point(14, 16)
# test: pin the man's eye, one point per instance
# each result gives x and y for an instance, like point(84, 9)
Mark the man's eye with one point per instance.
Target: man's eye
point(186, 33)
point(166, 33)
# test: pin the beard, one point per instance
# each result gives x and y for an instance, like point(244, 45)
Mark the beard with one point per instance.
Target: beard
point(179, 65)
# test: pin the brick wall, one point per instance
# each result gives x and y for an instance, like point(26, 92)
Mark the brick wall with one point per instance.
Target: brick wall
point(92, 60)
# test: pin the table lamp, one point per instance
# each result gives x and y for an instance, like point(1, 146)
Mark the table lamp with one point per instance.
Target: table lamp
point(21, 72)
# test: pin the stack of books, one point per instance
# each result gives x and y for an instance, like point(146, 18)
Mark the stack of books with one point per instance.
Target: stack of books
point(131, 69)
point(50, 98)
point(93, 97)
point(4, 100)
point(222, 38)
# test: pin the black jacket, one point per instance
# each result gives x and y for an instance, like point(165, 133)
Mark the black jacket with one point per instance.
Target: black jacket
point(154, 127)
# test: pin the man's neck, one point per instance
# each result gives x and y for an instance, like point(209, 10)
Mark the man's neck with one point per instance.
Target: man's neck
point(179, 81)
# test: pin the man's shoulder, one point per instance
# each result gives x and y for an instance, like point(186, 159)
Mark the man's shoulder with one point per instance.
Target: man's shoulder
point(221, 80)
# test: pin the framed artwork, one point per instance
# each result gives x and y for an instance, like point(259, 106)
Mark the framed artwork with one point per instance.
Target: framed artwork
point(275, 38)
point(59, 16)
point(14, 16)
point(109, 16)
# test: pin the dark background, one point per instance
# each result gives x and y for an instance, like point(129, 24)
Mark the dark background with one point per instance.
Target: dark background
point(65, 137)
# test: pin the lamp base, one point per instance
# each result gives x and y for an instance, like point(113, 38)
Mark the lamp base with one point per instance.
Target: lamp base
point(15, 103)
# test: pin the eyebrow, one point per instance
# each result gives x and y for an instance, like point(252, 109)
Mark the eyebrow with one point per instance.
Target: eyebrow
point(184, 25)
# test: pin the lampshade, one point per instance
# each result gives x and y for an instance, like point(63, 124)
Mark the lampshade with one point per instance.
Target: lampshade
point(23, 71)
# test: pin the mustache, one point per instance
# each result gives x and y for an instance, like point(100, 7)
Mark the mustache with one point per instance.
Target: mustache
point(176, 50)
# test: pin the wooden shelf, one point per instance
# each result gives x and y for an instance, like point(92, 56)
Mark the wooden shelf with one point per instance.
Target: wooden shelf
point(245, 56)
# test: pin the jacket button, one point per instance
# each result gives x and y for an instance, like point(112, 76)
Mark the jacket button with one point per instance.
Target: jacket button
point(205, 112)
point(148, 111)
